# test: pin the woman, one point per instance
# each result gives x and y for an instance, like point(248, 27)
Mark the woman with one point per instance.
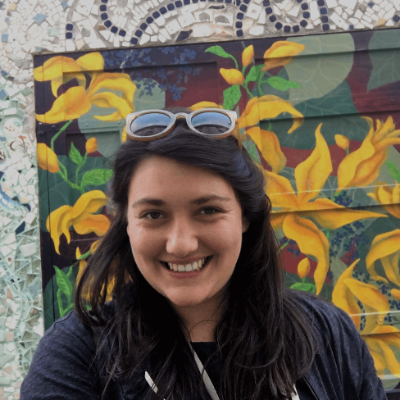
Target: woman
point(192, 260)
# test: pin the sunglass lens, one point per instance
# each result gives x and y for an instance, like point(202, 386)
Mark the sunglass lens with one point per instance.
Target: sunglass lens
point(211, 123)
point(150, 124)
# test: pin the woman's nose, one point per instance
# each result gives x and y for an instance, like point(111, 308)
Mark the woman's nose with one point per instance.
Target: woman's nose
point(182, 238)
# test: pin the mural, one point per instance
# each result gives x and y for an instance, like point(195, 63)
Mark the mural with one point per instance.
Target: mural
point(318, 113)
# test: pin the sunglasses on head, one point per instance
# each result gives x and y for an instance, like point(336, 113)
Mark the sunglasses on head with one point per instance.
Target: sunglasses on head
point(154, 124)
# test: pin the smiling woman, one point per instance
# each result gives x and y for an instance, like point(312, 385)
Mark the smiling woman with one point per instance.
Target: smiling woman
point(197, 281)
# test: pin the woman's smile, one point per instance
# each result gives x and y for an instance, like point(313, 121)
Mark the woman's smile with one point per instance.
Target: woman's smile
point(185, 227)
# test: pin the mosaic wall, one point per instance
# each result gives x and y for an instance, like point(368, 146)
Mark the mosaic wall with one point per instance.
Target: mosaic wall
point(35, 26)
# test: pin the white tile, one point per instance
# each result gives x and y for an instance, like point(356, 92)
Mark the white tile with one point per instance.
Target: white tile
point(348, 3)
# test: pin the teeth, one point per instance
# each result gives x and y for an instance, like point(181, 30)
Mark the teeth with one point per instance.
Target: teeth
point(195, 266)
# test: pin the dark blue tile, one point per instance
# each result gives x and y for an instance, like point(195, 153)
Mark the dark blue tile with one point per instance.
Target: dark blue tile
point(324, 19)
point(228, 1)
point(143, 27)
point(243, 8)
point(163, 10)
point(178, 4)
point(170, 7)
point(325, 27)
point(238, 25)
point(104, 1)
point(396, 18)
point(304, 6)
point(278, 25)
point(186, 2)
point(114, 29)
point(134, 41)
point(351, 27)
point(266, 3)
point(239, 33)
point(104, 16)
point(195, 1)
point(323, 11)
point(296, 28)
point(268, 10)
point(239, 15)
point(371, 4)
point(68, 35)
point(246, 1)
point(156, 15)
point(69, 27)
point(122, 33)
point(299, 1)
point(306, 14)
point(286, 29)
point(149, 20)
point(103, 7)
point(272, 18)
point(303, 23)
point(107, 24)
point(138, 33)
point(321, 3)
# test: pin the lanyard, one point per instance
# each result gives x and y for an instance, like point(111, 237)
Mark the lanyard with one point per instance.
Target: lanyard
point(206, 379)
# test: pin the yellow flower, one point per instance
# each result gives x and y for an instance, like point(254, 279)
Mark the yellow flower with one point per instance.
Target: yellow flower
point(388, 196)
point(310, 176)
point(342, 141)
point(378, 337)
point(268, 143)
point(46, 158)
point(303, 268)
point(281, 53)
point(385, 247)
point(361, 167)
point(204, 104)
point(232, 76)
point(82, 266)
point(247, 55)
point(395, 293)
point(267, 107)
point(78, 100)
point(79, 216)
point(91, 145)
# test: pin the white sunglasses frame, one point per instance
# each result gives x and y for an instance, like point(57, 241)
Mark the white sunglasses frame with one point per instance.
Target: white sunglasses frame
point(174, 117)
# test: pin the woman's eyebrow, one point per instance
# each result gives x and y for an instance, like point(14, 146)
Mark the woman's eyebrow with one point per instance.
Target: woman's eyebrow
point(159, 202)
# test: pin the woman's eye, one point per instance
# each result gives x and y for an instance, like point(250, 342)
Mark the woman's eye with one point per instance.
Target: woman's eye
point(209, 210)
point(152, 215)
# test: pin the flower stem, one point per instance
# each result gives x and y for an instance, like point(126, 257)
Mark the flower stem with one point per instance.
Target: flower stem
point(62, 129)
point(79, 167)
point(248, 91)
point(283, 246)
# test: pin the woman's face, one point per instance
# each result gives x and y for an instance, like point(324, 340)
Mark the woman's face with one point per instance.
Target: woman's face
point(185, 227)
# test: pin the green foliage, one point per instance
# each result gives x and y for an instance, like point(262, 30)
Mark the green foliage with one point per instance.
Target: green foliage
point(220, 52)
point(75, 155)
point(282, 84)
point(96, 177)
point(304, 287)
point(254, 73)
point(63, 282)
point(231, 97)
point(393, 170)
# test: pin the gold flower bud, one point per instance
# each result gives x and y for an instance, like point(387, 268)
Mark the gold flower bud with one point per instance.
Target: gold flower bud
point(342, 141)
point(232, 76)
point(47, 159)
point(91, 145)
point(303, 268)
point(247, 55)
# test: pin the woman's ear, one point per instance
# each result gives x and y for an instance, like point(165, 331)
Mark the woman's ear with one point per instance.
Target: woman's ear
point(245, 224)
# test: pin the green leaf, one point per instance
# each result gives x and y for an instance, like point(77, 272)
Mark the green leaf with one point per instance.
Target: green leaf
point(75, 156)
point(96, 177)
point(231, 97)
point(220, 52)
point(282, 84)
point(337, 269)
point(305, 287)
point(255, 70)
point(63, 282)
point(393, 171)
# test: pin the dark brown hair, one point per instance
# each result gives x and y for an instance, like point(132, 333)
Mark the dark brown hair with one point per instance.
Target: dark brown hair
point(263, 336)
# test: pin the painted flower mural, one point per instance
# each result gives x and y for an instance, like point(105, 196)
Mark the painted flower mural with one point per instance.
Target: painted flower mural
point(331, 165)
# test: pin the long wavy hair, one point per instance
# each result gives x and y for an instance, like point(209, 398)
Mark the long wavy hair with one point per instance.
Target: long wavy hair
point(263, 337)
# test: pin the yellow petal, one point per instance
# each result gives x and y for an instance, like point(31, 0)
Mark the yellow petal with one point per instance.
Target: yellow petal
point(277, 219)
point(347, 169)
point(232, 76)
point(312, 173)
point(91, 61)
point(385, 131)
point(47, 159)
point(94, 246)
point(303, 268)
point(311, 241)
point(123, 135)
point(344, 299)
point(247, 55)
point(57, 223)
point(280, 191)
point(55, 67)
point(70, 105)
point(268, 143)
point(114, 81)
point(395, 293)
point(267, 107)
point(281, 53)
point(333, 216)
point(391, 266)
point(391, 361)
point(382, 246)
point(342, 141)
point(61, 80)
point(98, 224)
point(116, 116)
point(108, 99)
point(379, 361)
point(87, 204)
point(204, 104)
point(91, 145)
point(375, 303)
